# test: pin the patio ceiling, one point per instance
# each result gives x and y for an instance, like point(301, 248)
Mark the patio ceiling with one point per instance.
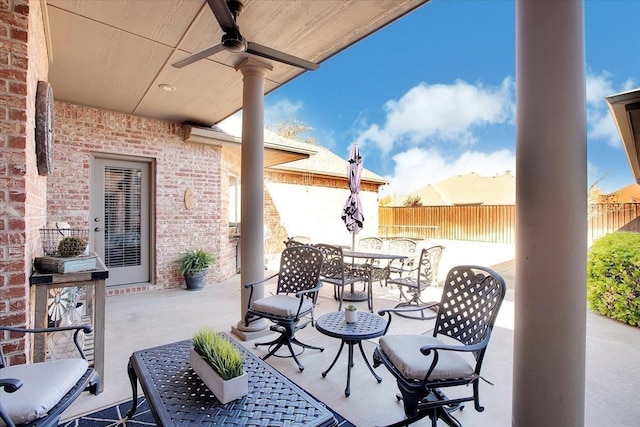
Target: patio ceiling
point(115, 54)
point(625, 109)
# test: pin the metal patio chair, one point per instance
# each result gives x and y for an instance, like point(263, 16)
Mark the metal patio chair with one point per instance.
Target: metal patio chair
point(425, 365)
point(291, 308)
point(36, 394)
point(399, 266)
point(341, 274)
point(303, 240)
point(416, 279)
point(379, 271)
point(374, 243)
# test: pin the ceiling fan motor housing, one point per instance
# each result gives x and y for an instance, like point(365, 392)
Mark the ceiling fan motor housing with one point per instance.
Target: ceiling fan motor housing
point(235, 7)
point(234, 42)
point(226, 13)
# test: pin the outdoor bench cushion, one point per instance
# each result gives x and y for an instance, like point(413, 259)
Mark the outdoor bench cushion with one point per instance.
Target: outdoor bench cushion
point(44, 384)
point(281, 305)
point(404, 353)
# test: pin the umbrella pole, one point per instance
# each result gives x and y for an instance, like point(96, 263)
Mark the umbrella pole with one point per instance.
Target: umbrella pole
point(353, 240)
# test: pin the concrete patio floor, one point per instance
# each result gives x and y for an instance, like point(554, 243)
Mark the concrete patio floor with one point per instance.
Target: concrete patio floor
point(142, 320)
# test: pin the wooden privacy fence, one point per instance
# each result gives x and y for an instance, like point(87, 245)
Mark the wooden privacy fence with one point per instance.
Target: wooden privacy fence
point(495, 223)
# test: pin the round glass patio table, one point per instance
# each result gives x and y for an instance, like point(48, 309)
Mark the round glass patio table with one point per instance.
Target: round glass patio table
point(368, 326)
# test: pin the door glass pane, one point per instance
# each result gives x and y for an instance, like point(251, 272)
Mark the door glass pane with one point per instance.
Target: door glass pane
point(122, 201)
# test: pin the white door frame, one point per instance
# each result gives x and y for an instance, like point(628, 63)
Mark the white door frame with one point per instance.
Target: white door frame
point(123, 275)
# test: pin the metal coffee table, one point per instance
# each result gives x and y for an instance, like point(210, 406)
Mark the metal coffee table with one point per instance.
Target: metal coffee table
point(368, 326)
point(177, 396)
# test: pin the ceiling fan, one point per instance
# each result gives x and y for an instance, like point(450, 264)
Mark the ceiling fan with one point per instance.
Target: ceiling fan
point(226, 13)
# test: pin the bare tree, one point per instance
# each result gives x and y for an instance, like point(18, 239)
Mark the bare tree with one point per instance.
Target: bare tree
point(386, 200)
point(412, 202)
point(292, 128)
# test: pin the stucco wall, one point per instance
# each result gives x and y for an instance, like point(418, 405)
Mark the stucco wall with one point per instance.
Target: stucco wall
point(315, 211)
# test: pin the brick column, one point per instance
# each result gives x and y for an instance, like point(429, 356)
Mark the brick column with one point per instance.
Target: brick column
point(23, 61)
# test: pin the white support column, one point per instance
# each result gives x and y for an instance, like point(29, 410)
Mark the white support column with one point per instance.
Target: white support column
point(252, 195)
point(551, 218)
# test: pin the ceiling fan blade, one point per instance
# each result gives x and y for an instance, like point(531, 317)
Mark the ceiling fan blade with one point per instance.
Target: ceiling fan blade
point(224, 16)
point(276, 55)
point(198, 56)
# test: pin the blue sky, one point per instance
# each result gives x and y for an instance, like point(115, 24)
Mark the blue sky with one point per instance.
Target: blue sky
point(433, 94)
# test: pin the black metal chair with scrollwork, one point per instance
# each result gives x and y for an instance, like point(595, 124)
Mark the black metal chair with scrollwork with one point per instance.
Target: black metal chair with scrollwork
point(340, 274)
point(398, 267)
point(374, 243)
point(297, 241)
point(291, 308)
point(425, 365)
point(379, 272)
point(416, 279)
point(36, 394)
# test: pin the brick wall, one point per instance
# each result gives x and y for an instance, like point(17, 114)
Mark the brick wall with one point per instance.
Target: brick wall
point(23, 61)
point(83, 132)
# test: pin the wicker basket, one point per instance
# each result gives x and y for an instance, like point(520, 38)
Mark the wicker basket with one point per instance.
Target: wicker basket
point(64, 242)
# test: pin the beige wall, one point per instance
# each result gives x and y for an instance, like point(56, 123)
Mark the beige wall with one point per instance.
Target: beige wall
point(313, 208)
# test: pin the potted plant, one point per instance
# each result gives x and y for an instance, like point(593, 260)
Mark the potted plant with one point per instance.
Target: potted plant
point(220, 365)
point(350, 314)
point(194, 265)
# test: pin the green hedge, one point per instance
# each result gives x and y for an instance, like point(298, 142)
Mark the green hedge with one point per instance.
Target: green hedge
point(613, 277)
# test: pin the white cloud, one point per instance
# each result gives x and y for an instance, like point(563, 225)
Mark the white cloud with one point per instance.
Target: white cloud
point(282, 110)
point(598, 87)
point(600, 124)
point(440, 113)
point(417, 167)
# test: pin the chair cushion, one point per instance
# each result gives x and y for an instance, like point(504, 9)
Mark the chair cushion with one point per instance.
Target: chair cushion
point(404, 353)
point(44, 385)
point(281, 305)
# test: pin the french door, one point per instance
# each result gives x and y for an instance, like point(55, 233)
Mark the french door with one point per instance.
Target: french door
point(120, 218)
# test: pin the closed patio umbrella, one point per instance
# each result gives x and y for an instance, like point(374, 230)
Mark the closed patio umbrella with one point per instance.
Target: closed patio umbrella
point(352, 212)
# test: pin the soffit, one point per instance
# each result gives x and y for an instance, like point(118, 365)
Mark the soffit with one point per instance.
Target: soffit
point(274, 152)
point(625, 109)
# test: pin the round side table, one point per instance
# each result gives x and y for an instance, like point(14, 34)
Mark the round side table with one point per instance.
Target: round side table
point(369, 325)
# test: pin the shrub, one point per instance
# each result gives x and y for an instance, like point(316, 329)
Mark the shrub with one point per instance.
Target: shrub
point(613, 277)
point(220, 353)
point(194, 260)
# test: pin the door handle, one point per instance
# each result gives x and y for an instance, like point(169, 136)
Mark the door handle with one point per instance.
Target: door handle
point(97, 229)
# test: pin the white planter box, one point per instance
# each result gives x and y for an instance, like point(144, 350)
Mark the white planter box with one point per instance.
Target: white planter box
point(224, 391)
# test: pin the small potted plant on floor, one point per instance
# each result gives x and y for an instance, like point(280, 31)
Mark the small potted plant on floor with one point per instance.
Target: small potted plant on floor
point(350, 314)
point(194, 266)
point(220, 365)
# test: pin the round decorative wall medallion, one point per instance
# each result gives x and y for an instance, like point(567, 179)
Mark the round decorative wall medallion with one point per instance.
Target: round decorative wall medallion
point(44, 128)
point(188, 199)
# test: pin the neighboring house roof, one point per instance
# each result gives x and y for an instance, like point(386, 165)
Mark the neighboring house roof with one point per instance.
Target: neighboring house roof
point(325, 162)
point(469, 189)
point(321, 160)
point(628, 194)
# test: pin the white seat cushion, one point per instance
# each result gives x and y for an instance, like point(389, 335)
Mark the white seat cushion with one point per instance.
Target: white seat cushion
point(404, 353)
point(281, 305)
point(44, 384)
